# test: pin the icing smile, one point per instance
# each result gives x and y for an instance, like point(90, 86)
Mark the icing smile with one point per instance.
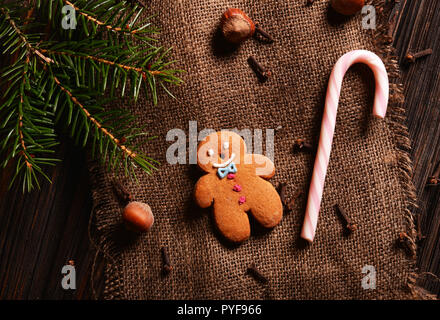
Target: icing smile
point(224, 164)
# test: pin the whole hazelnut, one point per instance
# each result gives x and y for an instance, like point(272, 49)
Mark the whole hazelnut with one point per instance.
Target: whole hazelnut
point(347, 7)
point(138, 216)
point(236, 26)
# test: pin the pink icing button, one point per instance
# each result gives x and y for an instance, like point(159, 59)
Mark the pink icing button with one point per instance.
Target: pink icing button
point(242, 200)
point(237, 188)
point(231, 175)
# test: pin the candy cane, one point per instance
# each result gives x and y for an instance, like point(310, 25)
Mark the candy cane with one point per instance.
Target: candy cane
point(328, 126)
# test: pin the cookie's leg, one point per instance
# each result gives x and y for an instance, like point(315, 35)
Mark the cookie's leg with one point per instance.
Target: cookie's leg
point(266, 207)
point(232, 221)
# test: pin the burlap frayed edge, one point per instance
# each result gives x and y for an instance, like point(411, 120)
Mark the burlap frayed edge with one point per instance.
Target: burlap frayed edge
point(382, 41)
point(101, 238)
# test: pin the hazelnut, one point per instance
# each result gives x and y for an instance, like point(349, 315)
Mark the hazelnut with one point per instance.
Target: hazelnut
point(138, 216)
point(236, 26)
point(347, 7)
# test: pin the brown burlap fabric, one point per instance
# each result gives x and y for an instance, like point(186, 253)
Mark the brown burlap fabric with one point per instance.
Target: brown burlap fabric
point(369, 172)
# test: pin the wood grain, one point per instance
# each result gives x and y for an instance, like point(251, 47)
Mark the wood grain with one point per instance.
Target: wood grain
point(41, 232)
point(418, 28)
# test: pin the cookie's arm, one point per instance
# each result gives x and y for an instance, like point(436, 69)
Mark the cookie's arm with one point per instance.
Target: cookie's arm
point(203, 192)
point(263, 166)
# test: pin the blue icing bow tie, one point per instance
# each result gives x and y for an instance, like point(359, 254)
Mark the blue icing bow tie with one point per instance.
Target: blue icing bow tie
point(223, 172)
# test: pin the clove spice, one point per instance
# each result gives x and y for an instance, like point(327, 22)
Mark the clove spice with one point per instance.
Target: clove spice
point(282, 192)
point(252, 269)
point(301, 144)
point(261, 72)
point(263, 33)
point(309, 2)
point(121, 192)
point(412, 57)
point(405, 242)
point(349, 224)
point(294, 198)
point(167, 267)
point(434, 179)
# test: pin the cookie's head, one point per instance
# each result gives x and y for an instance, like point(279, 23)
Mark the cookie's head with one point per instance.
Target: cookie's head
point(219, 149)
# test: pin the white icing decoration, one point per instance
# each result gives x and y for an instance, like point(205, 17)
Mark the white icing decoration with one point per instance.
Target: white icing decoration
point(224, 164)
point(210, 152)
point(226, 145)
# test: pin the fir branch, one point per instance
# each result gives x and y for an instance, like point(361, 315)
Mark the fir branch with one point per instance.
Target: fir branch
point(100, 23)
point(22, 37)
point(26, 130)
point(20, 125)
point(62, 76)
point(126, 150)
point(98, 59)
point(23, 145)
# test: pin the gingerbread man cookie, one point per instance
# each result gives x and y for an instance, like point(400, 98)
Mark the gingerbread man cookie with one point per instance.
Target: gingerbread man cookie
point(234, 185)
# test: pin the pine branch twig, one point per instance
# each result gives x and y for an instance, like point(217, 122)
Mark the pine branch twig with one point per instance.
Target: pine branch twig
point(23, 37)
point(99, 23)
point(20, 125)
point(126, 150)
point(98, 59)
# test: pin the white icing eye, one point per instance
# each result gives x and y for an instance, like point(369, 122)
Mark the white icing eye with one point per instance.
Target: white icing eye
point(210, 152)
point(226, 145)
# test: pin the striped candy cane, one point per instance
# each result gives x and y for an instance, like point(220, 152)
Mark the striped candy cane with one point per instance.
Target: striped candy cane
point(328, 126)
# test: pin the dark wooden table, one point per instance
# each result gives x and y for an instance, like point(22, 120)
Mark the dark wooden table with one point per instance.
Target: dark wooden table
point(42, 231)
point(417, 28)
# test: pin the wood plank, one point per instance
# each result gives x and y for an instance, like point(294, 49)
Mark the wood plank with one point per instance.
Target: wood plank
point(40, 232)
point(417, 30)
